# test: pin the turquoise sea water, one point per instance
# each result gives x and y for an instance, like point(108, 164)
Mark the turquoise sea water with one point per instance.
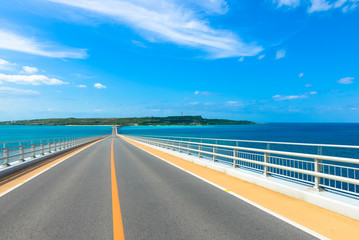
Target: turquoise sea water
point(17, 133)
point(330, 133)
point(333, 133)
point(323, 133)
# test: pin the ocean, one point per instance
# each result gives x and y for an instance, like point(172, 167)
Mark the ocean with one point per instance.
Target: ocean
point(322, 133)
point(331, 133)
point(17, 132)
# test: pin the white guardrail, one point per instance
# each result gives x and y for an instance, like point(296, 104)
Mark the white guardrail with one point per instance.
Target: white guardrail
point(332, 173)
point(20, 151)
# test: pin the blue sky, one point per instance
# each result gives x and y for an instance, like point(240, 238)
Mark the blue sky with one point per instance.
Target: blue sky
point(265, 61)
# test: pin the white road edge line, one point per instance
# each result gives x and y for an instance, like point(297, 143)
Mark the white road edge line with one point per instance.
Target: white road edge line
point(294, 224)
point(27, 180)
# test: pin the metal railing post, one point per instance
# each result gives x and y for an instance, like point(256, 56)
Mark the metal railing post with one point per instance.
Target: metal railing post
point(180, 147)
point(199, 150)
point(42, 149)
point(265, 167)
point(320, 150)
point(48, 146)
point(317, 169)
point(21, 154)
point(234, 160)
point(188, 150)
point(214, 152)
point(6, 156)
point(55, 145)
point(33, 155)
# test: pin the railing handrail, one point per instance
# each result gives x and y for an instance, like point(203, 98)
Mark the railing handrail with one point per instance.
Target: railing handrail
point(62, 143)
point(293, 154)
point(39, 144)
point(256, 141)
point(43, 139)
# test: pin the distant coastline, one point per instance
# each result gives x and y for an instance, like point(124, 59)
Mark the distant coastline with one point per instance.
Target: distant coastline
point(141, 121)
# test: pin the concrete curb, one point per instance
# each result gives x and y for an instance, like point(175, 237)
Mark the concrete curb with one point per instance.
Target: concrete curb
point(334, 202)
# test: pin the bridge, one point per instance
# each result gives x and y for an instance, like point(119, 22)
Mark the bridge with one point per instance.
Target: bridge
point(126, 187)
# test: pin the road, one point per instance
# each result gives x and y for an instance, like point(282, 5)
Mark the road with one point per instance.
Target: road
point(74, 200)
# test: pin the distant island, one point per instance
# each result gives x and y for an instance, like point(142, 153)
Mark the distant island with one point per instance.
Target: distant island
point(141, 121)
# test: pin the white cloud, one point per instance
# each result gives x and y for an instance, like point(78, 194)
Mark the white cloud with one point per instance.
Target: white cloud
point(203, 93)
point(289, 3)
point(193, 103)
point(308, 85)
point(3, 62)
point(339, 3)
point(260, 57)
point(292, 97)
point(301, 75)
point(172, 21)
point(139, 44)
point(15, 42)
point(16, 91)
point(30, 79)
point(6, 65)
point(319, 5)
point(280, 54)
point(348, 7)
point(30, 70)
point(81, 86)
point(346, 80)
point(241, 59)
point(99, 86)
point(213, 6)
point(234, 103)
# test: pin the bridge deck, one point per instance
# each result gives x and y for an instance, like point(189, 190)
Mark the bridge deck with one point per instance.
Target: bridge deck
point(73, 200)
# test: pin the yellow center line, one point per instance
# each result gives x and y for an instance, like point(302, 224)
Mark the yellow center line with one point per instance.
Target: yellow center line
point(116, 209)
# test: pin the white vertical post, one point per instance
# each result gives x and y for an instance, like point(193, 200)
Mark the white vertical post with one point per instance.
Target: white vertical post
point(265, 170)
point(199, 150)
point(317, 169)
point(214, 152)
point(21, 154)
point(42, 149)
point(234, 156)
point(48, 146)
point(6, 156)
point(33, 151)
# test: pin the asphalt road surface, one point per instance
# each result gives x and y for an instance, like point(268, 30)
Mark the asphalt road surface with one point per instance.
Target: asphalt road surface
point(73, 200)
